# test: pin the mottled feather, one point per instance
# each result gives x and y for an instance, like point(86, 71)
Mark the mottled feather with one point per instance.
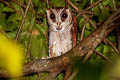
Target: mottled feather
point(62, 31)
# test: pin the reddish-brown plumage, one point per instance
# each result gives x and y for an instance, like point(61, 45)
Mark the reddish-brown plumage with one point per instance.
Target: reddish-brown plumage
point(74, 31)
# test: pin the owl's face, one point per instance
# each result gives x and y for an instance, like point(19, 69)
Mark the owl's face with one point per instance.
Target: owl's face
point(59, 19)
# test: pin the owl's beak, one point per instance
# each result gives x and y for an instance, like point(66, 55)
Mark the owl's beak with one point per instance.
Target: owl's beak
point(59, 27)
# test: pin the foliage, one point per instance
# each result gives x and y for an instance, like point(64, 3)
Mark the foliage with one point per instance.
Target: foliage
point(34, 34)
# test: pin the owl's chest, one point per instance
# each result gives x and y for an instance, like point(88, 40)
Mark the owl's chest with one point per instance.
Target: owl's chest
point(60, 42)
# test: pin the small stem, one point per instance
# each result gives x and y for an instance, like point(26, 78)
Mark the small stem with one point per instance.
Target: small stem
point(87, 56)
point(78, 10)
point(113, 46)
point(73, 75)
point(19, 3)
point(21, 25)
point(83, 30)
point(93, 5)
point(104, 57)
point(114, 5)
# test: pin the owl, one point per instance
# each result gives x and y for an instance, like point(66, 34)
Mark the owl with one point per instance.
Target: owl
point(62, 31)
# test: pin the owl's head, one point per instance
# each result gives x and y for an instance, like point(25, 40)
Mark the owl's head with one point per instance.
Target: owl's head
point(59, 18)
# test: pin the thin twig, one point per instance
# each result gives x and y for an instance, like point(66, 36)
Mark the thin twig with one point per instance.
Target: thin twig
point(114, 5)
point(113, 46)
point(83, 30)
point(50, 3)
point(73, 75)
point(82, 12)
point(23, 20)
point(78, 10)
point(32, 25)
point(104, 57)
point(66, 4)
point(93, 5)
point(116, 17)
point(30, 39)
point(90, 21)
point(87, 56)
point(19, 3)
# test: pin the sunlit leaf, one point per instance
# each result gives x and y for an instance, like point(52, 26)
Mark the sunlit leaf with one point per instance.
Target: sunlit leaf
point(11, 54)
point(7, 9)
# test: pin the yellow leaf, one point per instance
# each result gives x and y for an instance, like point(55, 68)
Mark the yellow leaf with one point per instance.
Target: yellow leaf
point(11, 54)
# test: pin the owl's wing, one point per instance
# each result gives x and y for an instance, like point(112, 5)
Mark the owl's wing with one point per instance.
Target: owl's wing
point(74, 31)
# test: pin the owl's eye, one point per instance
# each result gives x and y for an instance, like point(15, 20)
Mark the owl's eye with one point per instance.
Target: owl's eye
point(52, 16)
point(64, 15)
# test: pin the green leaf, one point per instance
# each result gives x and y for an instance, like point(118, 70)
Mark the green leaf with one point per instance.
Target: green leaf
point(86, 33)
point(58, 3)
point(3, 20)
point(14, 17)
point(12, 34)
point(7, 9)
point(89, 27)
point(60, 76)
point(13, 22)
point(106, 49)
point(108, 3)
point(38, 48)
point(104, 15)
point(112, 38)
point(1, 7)
point(42, 29)
point(17, 7)
point(100, 48)
point(81, 22)
point(84, 3)
point(97, 11)
point(36, 2)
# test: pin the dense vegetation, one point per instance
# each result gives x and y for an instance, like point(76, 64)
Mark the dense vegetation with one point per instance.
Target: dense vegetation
point(25, 22)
